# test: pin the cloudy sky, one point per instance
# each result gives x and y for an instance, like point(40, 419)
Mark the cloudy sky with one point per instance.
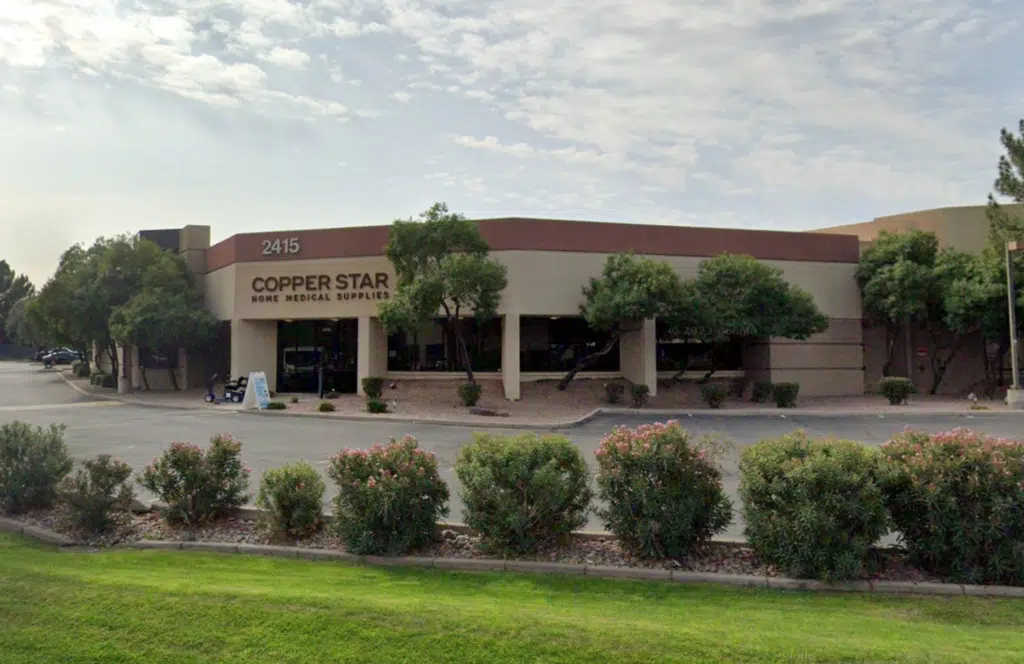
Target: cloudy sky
point(250, 115)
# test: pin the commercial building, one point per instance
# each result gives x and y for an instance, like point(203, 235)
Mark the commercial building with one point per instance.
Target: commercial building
point(290, 299)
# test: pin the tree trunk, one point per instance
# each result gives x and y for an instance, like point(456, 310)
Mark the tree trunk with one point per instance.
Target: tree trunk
point(145, 381)
point(590, 359)
point(174, 379)
point(114, 364)
point(464, 353)
point(941, 357)
point(892, 331)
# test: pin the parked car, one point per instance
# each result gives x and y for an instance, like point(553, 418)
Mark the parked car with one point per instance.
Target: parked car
point(61, 356)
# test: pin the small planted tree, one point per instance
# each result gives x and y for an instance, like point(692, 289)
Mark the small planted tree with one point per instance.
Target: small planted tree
point(738, 295)
point(443, 268)
point(629, 290)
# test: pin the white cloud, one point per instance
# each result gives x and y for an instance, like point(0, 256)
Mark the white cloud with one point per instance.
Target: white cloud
point(401, 96)
point(287, 57)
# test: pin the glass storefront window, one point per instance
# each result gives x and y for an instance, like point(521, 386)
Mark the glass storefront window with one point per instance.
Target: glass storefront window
point(677, 354)
point(304, 345)
point(559, 343)
point(434, 347)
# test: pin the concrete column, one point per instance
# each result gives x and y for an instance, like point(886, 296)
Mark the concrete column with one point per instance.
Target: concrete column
point(510, 378)
point(254, 348)
point(372, 359)
point(638, 356)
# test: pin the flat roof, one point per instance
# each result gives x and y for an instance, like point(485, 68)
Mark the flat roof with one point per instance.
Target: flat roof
point(526, 234)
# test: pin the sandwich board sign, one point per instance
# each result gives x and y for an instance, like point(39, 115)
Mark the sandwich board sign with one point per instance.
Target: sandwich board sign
point(257, 393)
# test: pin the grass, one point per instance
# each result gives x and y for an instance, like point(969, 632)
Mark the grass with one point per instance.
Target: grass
point(151, 606)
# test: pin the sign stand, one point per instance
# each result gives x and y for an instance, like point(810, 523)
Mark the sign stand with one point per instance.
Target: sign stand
point(257, 393)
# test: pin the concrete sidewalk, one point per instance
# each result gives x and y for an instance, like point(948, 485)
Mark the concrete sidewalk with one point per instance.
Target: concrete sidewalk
point(823, 406)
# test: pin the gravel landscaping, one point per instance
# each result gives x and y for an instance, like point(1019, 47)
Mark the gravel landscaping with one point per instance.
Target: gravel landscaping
point(718, 557)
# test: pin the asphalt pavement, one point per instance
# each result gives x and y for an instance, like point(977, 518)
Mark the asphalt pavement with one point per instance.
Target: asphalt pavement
point(137, 434)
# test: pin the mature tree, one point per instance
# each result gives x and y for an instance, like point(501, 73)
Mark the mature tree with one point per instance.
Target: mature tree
point(163, 320)
point(896, 275)
point(629, 290)
point(1006, 225)
point(444, 269)
point(92, 283)
point(957, 282)
point(736, 295)
point(13, 288)
point(24, 324)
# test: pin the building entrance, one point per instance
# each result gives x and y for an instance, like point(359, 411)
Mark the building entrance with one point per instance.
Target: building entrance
point(315, 354)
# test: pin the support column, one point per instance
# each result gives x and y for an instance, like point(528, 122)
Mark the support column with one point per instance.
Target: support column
point(372, 359)
point(510, 357)
point(254, 348)
point(638, 356)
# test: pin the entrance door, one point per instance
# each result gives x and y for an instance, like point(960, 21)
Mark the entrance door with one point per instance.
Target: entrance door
point(308, 349)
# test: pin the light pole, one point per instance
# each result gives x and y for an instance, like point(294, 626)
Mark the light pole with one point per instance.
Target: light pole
point(1014, 395)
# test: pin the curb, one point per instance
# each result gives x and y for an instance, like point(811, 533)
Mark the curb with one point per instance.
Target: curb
point(437, 422)
point(128, 402)
point(538, 567)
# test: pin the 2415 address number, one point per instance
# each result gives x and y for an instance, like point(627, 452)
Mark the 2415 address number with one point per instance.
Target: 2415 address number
point(281, 246)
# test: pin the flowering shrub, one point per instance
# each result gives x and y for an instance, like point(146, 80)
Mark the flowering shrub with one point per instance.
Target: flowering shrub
point(292, 496)
point(814, 508)
point(521, 492)
point(94, 496)
point(33, 461)
point(389, 499)
point(663, 492)
point(957, 498)
point(197, 486)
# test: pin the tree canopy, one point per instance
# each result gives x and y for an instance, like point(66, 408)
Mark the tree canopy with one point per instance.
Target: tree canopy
point(83, 301)
point(13, 288)
point(443, 269)
point(1009, 183)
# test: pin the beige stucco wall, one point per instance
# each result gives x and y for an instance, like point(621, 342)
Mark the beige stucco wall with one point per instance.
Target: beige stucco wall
point(539, 283)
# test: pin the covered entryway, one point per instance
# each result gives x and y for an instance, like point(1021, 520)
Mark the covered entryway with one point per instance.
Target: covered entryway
point(318, 354)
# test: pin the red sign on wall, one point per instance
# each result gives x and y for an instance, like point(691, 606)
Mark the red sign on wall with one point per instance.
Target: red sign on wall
point(922, 352)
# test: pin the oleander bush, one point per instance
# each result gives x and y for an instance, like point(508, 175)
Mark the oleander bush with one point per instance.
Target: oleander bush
point(198, 485)
point(613, 392)
point(390, 497)
point(376, 406)
point(762, 391)
point(813, 508)
point(523, 492)
point(373, 387)
point(896, 389)
point(325, 407)
point(713, 395)
point(292, 497)
point(95, 496)
point(640, 394)
point(469, 394)
point(662, 490)
point(957, 499)
point(785, 394)
point(33, 461)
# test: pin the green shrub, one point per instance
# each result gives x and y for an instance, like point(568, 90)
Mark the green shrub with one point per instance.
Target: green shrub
point(613, 392)
point(100, 379)
point(663, 492)
point(292, 497)
point(325, 407)
point(762, 391)
point(33, 461)
point(713, 395)
point(640, 394)
point(373, 387)
point(294, 400)
point(80, 368)
point(813, 508)
point(785, 394)
point(896, 389)
point(376, 406)
point(523, 492)
point(469, 394)
point(95, 494)
point(277, 405)
point(196, 485)
point(957, 499)
point(389, 498)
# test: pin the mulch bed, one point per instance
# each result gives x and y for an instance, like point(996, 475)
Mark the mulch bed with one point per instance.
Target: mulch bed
point(717, 557)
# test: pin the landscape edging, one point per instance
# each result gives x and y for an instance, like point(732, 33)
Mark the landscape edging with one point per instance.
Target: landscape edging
point(537, 567)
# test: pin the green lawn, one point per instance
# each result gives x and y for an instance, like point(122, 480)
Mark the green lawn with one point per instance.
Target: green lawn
point(149, 606)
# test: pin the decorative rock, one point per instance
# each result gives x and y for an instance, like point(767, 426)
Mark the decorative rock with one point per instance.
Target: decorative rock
point(449, 535)
point(139, 507)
